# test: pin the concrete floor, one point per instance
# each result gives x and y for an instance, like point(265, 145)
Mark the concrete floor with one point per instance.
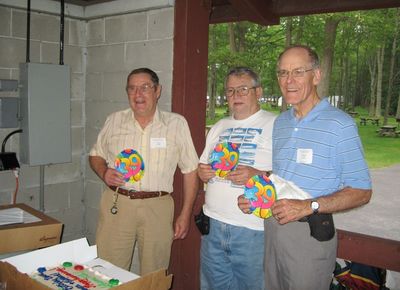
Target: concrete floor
point(381, 216)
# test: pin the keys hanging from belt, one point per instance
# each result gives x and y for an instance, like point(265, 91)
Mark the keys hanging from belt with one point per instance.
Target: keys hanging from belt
point(114, 208)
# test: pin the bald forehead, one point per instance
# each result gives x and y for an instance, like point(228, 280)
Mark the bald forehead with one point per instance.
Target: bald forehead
point(296, 52)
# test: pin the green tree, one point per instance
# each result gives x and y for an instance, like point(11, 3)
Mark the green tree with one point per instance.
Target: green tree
point(351, 64)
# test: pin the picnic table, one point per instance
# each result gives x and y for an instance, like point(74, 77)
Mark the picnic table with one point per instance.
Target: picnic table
point(388, 130)
point(353, 114)
point(373, 120)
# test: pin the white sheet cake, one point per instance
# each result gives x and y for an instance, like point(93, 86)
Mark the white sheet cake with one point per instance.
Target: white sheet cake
point(74, 276)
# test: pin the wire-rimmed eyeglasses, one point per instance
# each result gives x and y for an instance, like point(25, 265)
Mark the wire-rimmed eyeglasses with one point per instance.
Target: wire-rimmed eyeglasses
point(241, 91)
point(146, 88)
point(295, 73)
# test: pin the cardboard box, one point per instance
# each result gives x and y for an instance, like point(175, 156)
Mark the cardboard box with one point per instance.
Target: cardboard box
point(28, 236)
point(14, 271)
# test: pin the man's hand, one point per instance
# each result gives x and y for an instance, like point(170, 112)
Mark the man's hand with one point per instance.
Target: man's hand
point(113, 177)
point(244, 204)
point(110, 176)
point(242, 174)
point(289, 210)
point(182, 224)
point(190, 188)
point(205, 172)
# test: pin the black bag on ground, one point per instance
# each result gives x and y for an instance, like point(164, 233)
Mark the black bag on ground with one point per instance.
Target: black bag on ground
point(321, 226)
point(202, 222)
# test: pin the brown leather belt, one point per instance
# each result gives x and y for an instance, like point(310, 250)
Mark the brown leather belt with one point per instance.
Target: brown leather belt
point(133, 194)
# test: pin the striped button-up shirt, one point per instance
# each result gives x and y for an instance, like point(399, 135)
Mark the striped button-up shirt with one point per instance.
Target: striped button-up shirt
point(163, 144)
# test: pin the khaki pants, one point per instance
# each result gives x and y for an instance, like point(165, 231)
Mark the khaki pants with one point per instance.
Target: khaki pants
point(296, 261)
point(145, 221)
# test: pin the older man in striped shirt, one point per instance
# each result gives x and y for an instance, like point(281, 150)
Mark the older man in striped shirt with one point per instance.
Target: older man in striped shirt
point(141, 209)
point(316, 146)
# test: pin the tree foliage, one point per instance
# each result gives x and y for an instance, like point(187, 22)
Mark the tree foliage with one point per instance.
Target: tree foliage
point(359, 54)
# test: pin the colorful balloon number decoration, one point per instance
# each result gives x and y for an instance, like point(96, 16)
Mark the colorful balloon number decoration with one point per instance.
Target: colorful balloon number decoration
point(224, 158)
point(130, 164)
point(262, 194)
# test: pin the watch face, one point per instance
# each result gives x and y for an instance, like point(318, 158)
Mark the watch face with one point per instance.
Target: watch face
point(315, 206)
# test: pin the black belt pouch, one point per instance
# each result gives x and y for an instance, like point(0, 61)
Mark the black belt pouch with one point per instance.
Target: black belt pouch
point(321, 226)
point(202, 222)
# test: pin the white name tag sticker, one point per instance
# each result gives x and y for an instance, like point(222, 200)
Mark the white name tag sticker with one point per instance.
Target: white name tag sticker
point(304, 156)
point(158, 143)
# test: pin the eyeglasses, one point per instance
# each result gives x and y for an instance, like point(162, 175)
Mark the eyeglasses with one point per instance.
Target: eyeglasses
point(146, 88)
point(296, 73)
point(241, 91)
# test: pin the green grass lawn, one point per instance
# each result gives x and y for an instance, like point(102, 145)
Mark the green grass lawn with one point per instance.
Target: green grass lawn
point(379, 151)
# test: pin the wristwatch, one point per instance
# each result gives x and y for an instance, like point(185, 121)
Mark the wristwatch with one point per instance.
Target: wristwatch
point(314, 206)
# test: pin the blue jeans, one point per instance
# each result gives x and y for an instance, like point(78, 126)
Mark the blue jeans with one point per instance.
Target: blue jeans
point(231, 258)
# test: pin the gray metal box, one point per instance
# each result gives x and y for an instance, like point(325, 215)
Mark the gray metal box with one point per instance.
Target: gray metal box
point(8, 85)
point(8, 112)
point(45, 113)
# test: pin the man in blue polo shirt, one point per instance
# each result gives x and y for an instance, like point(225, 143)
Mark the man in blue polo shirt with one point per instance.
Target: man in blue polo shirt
point(317, 147)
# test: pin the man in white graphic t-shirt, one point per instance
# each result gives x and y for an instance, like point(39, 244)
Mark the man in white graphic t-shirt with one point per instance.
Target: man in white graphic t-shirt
point(231, 254)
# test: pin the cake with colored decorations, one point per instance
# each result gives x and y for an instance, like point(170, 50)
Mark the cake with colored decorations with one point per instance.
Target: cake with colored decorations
point(73, 276)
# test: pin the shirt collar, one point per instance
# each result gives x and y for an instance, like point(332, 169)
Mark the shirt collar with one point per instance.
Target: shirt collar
point(253, 116)
point(314, 113)
point(158, 117)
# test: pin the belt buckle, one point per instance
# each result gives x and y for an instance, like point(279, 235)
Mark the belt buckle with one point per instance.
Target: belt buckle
point(131, 193)
point(159, 193)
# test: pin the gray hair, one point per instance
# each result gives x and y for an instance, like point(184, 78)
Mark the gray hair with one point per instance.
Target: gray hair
point(144, 70)
point(240, 71)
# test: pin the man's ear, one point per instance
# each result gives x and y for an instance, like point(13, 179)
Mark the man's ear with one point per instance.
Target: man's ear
point(159, 89)
point(317, 76)
point(259, 92)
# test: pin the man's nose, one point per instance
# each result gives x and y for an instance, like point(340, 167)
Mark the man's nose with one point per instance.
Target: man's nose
point(236, 94)
point(137, 91)
point(289, 78)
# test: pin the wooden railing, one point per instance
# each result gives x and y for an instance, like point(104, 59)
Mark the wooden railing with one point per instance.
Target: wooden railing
point(369, 250)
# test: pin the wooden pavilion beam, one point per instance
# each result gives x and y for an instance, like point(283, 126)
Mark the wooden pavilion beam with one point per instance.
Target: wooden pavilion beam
point(303, 7)
point(268, 12)
point(257, 11)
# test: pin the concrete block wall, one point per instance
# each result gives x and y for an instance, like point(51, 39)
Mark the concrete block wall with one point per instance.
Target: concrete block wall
point(101, 52)
point(64, 183)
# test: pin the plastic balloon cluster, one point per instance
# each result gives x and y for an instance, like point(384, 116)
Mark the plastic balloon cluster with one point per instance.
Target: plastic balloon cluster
point(262, 194)
point(130, 164)
point(224, 158)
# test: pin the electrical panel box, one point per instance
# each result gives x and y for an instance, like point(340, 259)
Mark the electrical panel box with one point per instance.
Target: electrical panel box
point(8, 85)
point(45, 114)
point(8, 112)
